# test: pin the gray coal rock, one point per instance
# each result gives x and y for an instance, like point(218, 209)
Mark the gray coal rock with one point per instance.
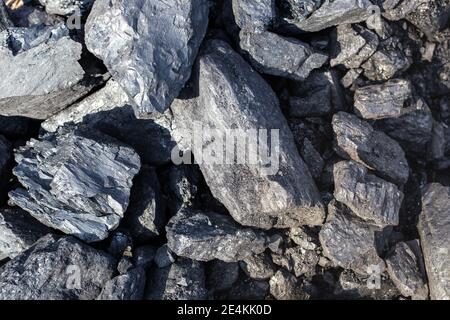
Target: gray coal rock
point(5, 164)
point(144, 256)
point(312, 158)
point(277, 192)
point(258, 266)
point(326, 14)
point(353, 46)
point(222, 275)
point(182, 184)
point(164, 257)
point(285, 286)
point(356, 139)
point(403, 269)
point(368, 196)
point(386, 100)
point(248, 289)
point(5, 21)
point(68, 270)
point(42, 73)
point(77, 180)
point(182, 280)
point(272, 54)
point(145, 216)
point(18, 232)
point(151, 66)
point(66, 7)
point(433, 226)
point(254, 16)
point(349, 242)
point(205, 236)
point(128, 286)
point(297, 260)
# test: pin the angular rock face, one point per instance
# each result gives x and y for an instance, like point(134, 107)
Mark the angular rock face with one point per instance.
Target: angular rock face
point(403, 269)
point(258, 267)
point(284, 286)
point(182, 280)
point(383, 101)
point(5, 21)
point(18, 232)
point(368, 196)
point(49, 77)
point(297, 260)
point(329, 14)
point(254, 16)
point(5, 163)
point(208, 236)
point(129, 286)
point(433, 226)
point(77, 181)
point(151, 66)
point(66, 7)
point(279, 56)
point(357, 140)
point(68, 270)
point(349, 242)
point(282, 195)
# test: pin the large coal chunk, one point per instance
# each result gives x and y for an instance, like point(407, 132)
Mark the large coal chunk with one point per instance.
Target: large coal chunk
point(18, 232)
point(41, 71)
point(254, 16)
point(349, 242)
point(368, 196)
point(77, 180)
point(234, 100)
point(182, 280)
point(56, 269)
point(434, 230)
point(208, 236)
point(128, 286)
point(279, 56)
point(357, 140)
point(150, 56)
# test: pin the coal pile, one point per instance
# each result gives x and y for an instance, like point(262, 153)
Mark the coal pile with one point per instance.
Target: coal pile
point(225, 149)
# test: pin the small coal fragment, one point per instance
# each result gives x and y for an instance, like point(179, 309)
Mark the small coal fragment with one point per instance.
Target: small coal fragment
point(66, 7)
point(129, 286)
point(144, 256)
point(77, 180)
point(5, 164)
point(433, 226)
point(18, 232)
point(164, 257)
point(68, 270)
point(151, 66)
point(205, 236)
point(357, 140)
point(285, 286)
point(254, 16)
point(297, 260)
point(258, 266)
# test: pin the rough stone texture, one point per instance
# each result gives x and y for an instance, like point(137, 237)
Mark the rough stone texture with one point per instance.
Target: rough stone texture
point(433, 226)
point(368, 196)
point(164, 256)
point(280, 56)
point(145, 216)
point(110, 111)
point(403, 269)
point(129, 286)
point(182, 280)
point(382, 101)
point(254, 16)
point(66, 7)
point(205, 236)
point(357, 140)
point(258, 266)
point(349, 241)
point(284, 286)
point(222, 275)
point(5, 21)
point(77, 181)
point(18, 232)
point(329, 14)
point(5, 164)
point(248, 289)
point(354, 46)
point(144, 256)
point(253, 194)
point(151, 66)
point(49, 77)
point(297, 260)
point(182, 183)
point(312, 158)
point(60, 261)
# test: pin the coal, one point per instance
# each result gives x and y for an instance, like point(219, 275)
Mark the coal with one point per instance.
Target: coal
point(66, 7)
point(5, 164)
point(254, 16)
point(76, 180)
point(285, 286)
point(129, 286)
point(258, 266)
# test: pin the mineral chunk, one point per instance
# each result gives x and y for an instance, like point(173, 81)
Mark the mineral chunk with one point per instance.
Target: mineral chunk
point(433, 226)
point(76, 180)
point(182, 280)
point(5, 21)
point(280, 192)
point(18, 232)
point(56, 269)
point(368, 196)
point(349, 241)
point(41, 72)
point(297, 260)
point(129, 286)
point(403, 269)
point(254, 16)
point(150, 57)
point(284, 286)
point(66, 7)
point(5, 163)
point(383, 101)
point(280, 56)
point(258, 266)
point(357, 140)
point(207, 236)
